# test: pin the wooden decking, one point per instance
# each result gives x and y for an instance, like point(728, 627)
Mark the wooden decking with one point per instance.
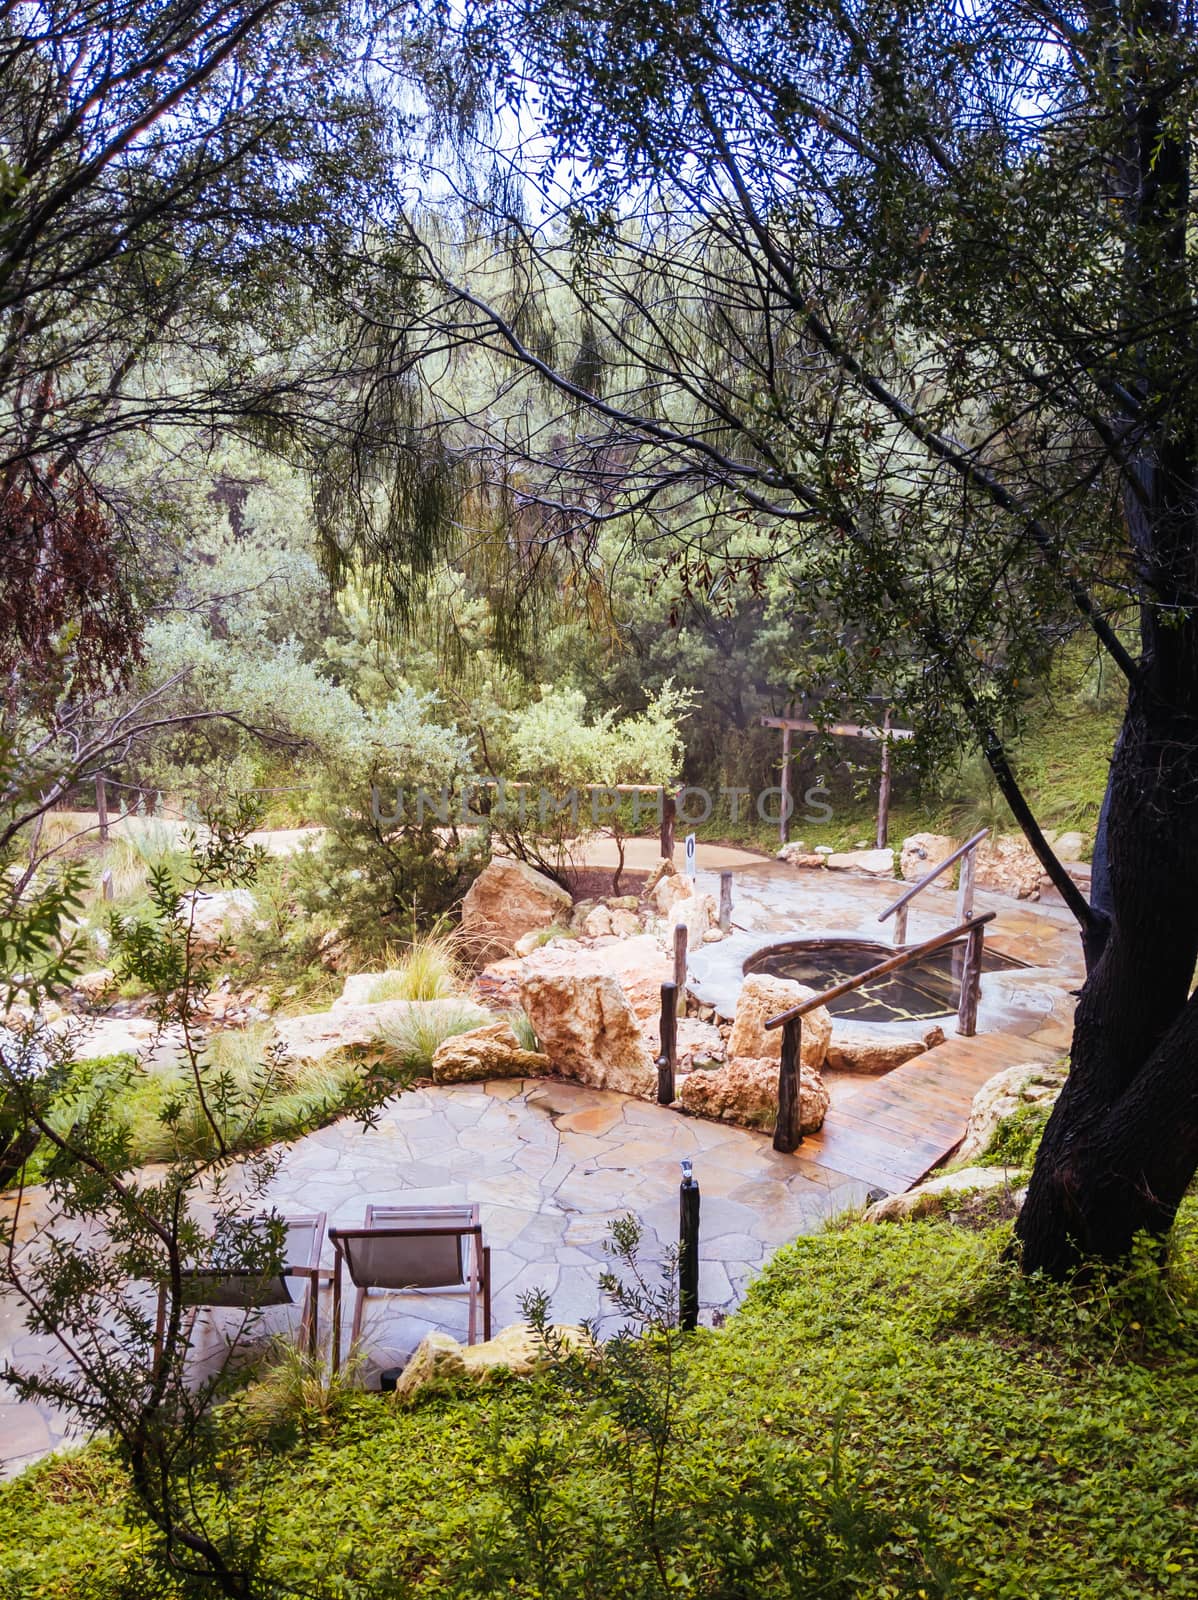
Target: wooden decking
point(894, 1129)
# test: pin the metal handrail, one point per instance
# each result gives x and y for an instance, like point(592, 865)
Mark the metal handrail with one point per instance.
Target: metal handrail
point(891, 964)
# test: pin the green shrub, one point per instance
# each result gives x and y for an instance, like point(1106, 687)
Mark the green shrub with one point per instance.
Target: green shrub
point(430, 969)
point(411, 1040)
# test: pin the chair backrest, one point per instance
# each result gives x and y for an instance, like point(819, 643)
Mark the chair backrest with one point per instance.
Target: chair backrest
point(408, 1247)
point(305, 1235)
point(244, 1290)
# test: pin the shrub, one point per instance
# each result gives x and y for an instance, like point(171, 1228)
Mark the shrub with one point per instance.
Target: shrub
point(411, 1040)
point(430, 969)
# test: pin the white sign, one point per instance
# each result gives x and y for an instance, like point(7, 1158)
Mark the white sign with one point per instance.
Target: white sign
point(690, 856)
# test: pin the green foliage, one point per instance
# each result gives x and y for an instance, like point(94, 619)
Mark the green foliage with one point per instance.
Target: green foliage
point(430, 969)
point(893, 1410)
point(1017, 1137)
point(411, 1040)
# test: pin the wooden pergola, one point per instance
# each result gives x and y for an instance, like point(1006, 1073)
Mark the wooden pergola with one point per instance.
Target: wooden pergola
point(845, 730)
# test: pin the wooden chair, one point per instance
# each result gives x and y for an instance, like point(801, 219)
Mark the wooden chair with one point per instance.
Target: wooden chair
point(412, 1248)
point(246, 1290)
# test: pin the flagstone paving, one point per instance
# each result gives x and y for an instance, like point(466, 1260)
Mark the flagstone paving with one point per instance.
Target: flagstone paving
point(551, 1164)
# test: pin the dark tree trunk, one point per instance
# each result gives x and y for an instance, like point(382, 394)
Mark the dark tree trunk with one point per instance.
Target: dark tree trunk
point(1121, 1146)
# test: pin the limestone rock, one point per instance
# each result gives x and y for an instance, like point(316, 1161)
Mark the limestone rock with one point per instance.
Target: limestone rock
point(935, 1194)
point(745, 1090)
point(597, 922)
point(95, 986)
point(665, 868)
point(697, 913)
point(507, 899)
point(877, 1047)
point(878, 863)
point(923, 851)
point(700, 1044)
point(641, 968)
point(360, 1027)
point(762, 997)
point(672, 888)
point(517, 1350)
point(499, 983)
point(1069, 846)
point(807, 858)
point(355, 991)
point(216, 918)
point(492, 1051)
point(586, 1025)
point(1009, 865)
point(625, 924)
point(1033, 1083)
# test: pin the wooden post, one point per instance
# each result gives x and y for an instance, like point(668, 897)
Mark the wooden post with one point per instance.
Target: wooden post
point(725, 901)
point(669, 1044)
point(900, 925)
point(788, 1131)
point(971, 978)
point(102, 806)
point(106, 884)
point(680, 965)
point(688, 1250)
point(884, 787)
point(965, 885)
point(669, 808)
point(784, 786)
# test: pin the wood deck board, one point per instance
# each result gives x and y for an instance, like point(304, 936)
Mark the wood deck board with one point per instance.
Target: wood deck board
point(894, 1129)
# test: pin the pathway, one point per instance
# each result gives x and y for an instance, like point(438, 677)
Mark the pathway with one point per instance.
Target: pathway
point(551, 1164)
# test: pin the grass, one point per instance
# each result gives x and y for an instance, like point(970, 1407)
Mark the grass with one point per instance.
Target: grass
point(1023, 1440)
point(411, 1040)
point(429, 969)
point(281, 1098)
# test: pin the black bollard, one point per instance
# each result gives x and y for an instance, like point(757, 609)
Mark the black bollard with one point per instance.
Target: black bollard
point(688, 1250)
point(668, 1058)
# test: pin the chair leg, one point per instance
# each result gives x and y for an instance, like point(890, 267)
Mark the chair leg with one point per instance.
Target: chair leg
point(356, 1330)
point(486, 1291)
point(336, 1362)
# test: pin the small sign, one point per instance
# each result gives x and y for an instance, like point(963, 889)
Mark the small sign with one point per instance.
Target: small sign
point(691, 867)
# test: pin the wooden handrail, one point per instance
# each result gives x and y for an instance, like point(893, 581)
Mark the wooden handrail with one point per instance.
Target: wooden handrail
point(891, 964)
point(929, 877)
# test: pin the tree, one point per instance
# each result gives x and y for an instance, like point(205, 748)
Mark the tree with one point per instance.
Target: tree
point(913, 292)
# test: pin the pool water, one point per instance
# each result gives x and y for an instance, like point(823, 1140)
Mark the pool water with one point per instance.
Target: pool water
point(929, 987)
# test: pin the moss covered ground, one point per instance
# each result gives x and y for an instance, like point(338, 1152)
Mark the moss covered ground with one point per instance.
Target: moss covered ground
point(894, 1411)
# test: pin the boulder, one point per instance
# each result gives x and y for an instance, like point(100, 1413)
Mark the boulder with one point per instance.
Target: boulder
point(360, 1027)
point(499, 983)
point(672, 888)
point(923, 851)
point(700, 1044)
point(877, 1047)
point(937, 1194)
point(1009, 865)
point(517, 1350)
point(1033, 1083)
point(355, 991)
point(878, 863)
point(665, 868)
point(641, 968)
point(597, 923)
point(585, 1023)
point(762, 997)
point(745, 1090)
point(1070, 846)
point(95, 986)
point(506, 900)
point(806, 858)
point(492, 1051)
point(625, 924)
point(216, 918)
point(697, 913)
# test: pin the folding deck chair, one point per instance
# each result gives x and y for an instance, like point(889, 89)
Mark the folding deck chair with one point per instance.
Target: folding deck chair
point(412, 1248)
point(246, 1290)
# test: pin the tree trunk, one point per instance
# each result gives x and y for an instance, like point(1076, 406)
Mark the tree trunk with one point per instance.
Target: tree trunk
point(1121, 1146)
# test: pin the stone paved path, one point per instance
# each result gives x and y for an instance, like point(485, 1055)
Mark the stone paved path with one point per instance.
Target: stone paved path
point(550, 1164)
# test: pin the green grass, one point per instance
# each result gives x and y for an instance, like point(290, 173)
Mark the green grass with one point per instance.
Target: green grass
point(412, 1040)
point(429, 969)
point(1027, 1441)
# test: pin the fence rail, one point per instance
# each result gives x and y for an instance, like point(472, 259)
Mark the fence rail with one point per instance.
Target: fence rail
point(898, 908)
point(788, 1133)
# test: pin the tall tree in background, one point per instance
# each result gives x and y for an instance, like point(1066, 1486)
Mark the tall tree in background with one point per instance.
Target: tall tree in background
point(912, 291)
point(185, 191)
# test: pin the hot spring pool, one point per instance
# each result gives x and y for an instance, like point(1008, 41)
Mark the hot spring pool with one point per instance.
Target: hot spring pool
point(929, 987)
